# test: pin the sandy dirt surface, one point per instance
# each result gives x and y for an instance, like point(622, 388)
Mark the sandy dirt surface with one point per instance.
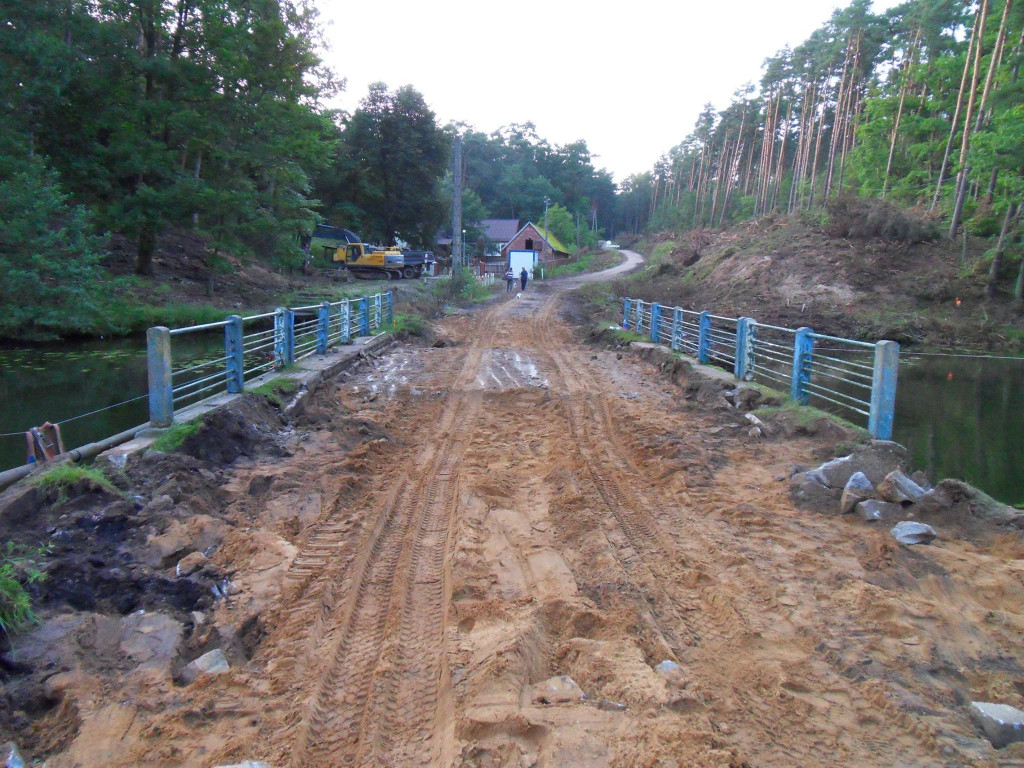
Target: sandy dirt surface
point(520, 506)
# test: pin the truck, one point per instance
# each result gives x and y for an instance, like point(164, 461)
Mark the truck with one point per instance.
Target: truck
point(343, 248)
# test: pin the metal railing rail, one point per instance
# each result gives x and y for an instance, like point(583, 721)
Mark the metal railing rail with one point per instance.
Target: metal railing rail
point(858, 377)
point(254, 345)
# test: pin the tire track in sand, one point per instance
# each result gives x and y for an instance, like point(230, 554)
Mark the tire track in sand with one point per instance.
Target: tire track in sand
point(717, 621)
point(367, 666)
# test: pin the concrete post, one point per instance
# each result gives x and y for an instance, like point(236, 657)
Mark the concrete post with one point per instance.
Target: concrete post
point(883, 390)
point(677, 327)
point(638, 326)
point(744, 357)
point(233, 351)
point(391, 307)
point(284, 337)
point(364, 316)
point(803, 349)
point(655, 321)
point(345, 310)
point(704, 339)
point(158, 364)
point(625, 313)
point(323, 327)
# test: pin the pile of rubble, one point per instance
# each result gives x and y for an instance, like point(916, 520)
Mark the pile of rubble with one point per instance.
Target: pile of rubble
point(872, 483)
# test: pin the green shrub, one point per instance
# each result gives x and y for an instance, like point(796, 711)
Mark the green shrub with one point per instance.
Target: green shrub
point(18, 568)
point(171, 438)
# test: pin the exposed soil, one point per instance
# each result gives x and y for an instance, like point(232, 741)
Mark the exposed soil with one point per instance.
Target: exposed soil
point(446, 528)
point(789, 272)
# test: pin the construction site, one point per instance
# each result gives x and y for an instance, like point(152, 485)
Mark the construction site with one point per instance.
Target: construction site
point(509, 543)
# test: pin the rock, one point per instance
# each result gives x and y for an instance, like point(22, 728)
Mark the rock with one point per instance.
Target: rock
point(747, 398)
point(898, 488)
point(958, 502)
point(912, 532)
point(1001, 723)
point(159, 504)
point(212, 663)
point(921, 479)
point(12, 757)
point(858, 488)
point(189, 564)
point(674, 674)
point(150, 639)
point(873, 510)
point(556, 690)
point(610, 706)
point(808, 492)
point(875, 460)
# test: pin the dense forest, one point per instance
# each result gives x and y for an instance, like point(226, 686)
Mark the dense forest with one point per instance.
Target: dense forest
point(129, 120)
point(920, 105)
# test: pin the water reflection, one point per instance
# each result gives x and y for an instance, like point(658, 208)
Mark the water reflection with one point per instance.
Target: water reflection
point(964, 417)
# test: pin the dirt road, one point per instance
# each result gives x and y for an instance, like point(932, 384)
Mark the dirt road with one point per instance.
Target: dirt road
point(523, 507)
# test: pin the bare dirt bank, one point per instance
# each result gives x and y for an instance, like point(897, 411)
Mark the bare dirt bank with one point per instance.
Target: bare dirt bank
point(443, 531)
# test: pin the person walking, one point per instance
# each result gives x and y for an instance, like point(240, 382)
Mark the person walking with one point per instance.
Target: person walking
point(522, 279)
point(510, 280)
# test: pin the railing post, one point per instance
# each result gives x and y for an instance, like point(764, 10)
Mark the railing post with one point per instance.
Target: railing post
point(677, 327)
point(743, 368)
point(704, 339)
point(345, 310)
point(391, 306)
point(638, 326)
point(803, 348)
point(233, 351)
point(284, 337)
point(322, 328)
point(625, 313)
point(158, 364)
point(364, 316)
point(655, 321)
point(883, 390)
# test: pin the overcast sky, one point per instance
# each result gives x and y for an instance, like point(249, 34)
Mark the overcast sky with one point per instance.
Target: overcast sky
point(629, 77)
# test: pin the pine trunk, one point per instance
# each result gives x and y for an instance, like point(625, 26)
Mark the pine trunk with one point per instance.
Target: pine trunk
point(997, 258)
point(956, 113)
point(965, 143)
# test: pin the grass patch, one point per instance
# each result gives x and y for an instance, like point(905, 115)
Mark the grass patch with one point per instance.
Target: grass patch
point(805, 415)
point(588, 262)
point(61, 478)
point(413, 325)
point(171, 439)
point(19, 567)
point(276, 389)
point(624, 337)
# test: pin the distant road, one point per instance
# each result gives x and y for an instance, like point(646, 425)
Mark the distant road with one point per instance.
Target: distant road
point(633, 260)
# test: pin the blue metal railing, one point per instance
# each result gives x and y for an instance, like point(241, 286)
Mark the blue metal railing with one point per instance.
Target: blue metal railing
point(255, 345)
point(857, 377)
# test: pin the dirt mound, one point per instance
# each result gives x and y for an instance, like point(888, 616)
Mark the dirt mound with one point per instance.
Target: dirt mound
point(247, 426)
point(867, 271)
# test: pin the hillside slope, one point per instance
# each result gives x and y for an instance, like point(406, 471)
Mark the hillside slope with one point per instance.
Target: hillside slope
point(791, 271)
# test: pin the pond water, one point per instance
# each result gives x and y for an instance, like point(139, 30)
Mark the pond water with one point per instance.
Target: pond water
point(57, 383)
point(958, 416)
point(964, 417)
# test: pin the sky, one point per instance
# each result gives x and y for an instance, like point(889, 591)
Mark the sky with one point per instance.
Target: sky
point(629, 77)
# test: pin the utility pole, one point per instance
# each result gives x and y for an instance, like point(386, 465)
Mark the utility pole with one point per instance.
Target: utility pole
point(547, 235)
point(457, 254)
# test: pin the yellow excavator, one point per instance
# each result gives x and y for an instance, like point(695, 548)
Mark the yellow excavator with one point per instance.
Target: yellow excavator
point(343, 248)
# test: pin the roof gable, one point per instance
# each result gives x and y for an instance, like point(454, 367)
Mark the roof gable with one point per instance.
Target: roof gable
point(499, 230)
point(550, 240)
